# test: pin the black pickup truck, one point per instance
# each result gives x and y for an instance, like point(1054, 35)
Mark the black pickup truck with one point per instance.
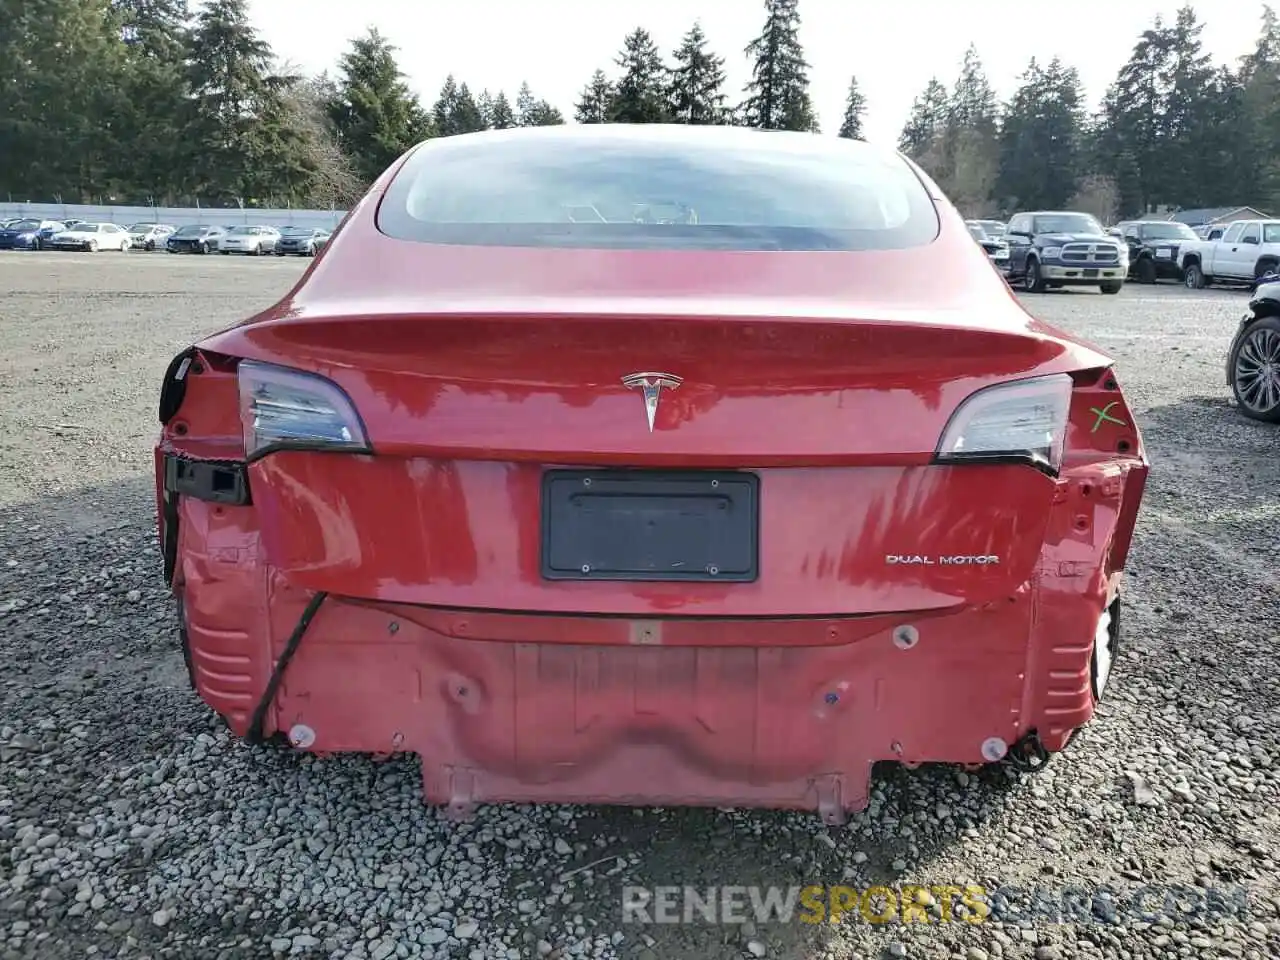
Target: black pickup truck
point(1063, 248)
point(1153, 248)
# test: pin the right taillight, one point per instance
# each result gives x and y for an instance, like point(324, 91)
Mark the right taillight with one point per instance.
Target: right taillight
point(281, 408)
point(1023, 420)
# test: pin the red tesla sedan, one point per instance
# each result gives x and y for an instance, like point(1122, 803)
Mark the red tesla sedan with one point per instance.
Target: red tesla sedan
point(650, 465)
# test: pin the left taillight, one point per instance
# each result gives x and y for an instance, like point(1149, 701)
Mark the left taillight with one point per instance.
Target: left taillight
point(286, 409)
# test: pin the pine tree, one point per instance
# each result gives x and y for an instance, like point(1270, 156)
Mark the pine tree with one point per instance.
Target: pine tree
point(154, 29)
point(640, 95)
point(696, 91)
point(501, 116)
point(1132, 137)
point(970, 159)
point(484, 103)
point(238, 133)
point(972, 104)
point(596, 100)
point(154, 90)
point(372, 109)
point(926, 121)
point(456, 110)
point(778, 94)
point(855, 106)
point(1042, 139)
point(62, 69)
point(532, 112)
point(467, 115)
point(1259, 105)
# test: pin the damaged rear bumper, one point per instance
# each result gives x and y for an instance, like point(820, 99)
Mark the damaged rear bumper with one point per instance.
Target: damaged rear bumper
point(763, 712)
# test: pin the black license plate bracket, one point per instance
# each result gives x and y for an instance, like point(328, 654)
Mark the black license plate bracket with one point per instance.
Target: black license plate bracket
point(642, 525)
point(1091, 271)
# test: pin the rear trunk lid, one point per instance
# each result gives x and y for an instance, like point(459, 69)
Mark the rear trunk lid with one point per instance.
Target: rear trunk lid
point(469, 415)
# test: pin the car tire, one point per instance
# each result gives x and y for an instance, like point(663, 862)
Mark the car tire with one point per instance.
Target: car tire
point(1193, 277)
point(256, 251)
point(1264, 266)
point(203, 248)
point(1146, 270)
point(1111, 289)
point(91, 246)
point(1255, 370)
point(149, 246)
point(225, 253)
point(1032, 281)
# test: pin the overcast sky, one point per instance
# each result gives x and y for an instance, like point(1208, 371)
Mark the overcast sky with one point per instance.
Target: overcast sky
point(893, 46)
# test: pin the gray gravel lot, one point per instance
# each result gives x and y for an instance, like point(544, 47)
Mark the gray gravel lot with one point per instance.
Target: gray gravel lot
point(131, 825)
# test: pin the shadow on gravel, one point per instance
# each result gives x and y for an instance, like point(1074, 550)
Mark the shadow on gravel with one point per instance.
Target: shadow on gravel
point(115, 752)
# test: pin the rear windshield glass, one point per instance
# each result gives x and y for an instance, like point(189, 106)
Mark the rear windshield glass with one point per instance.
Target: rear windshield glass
point(713, 190)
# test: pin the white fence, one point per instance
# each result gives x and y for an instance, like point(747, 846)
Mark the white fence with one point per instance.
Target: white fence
point(176, 216)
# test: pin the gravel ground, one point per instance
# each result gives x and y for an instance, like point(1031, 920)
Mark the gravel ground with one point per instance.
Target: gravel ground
point(130, 825)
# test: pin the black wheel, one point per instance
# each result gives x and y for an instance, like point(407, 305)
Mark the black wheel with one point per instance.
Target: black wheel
point(91, 246)
point(1146, 270)
point(204, 247)
point(149, 246)
point(1112, 287)
point(1193, 277)
point(1264, 266)
point(1032, 281)
point(1255, 371)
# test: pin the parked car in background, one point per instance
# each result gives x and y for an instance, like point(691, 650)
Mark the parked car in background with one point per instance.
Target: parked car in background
point(1253, 359)
point(1065, 248)
point(29, 234)
point(251, 241)
point(1153, 248)
point(992, 228)
point(302, 241)
point(1247, 250)
point(148, 236)
point(91, 237)
point(1211, 231)
point(997, 249)
point(196, 238)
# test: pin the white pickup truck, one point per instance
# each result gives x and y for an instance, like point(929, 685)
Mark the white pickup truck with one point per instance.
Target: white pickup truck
point(1247, 250)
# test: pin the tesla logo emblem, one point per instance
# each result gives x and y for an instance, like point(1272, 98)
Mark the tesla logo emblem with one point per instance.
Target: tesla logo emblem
point(651, 384)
